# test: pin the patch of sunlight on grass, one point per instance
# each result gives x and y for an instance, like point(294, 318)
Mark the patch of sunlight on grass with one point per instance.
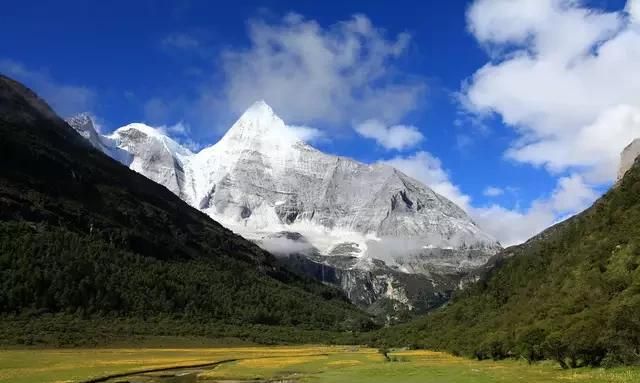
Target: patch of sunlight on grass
point(312, 364)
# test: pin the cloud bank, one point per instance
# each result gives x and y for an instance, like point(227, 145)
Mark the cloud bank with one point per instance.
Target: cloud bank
point(309, 73)
point(563, 77)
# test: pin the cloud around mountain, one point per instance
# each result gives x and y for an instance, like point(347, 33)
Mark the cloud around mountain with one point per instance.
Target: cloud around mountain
point(310, 73)
point(560, 75)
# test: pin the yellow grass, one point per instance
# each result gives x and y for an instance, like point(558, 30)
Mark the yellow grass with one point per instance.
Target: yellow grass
point(277, 362)
point(312, 364)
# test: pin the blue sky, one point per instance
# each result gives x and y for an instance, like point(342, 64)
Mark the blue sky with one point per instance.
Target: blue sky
point(496, 104)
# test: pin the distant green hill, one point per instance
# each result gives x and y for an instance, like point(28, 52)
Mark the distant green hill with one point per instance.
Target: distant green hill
point(85, 238)
point(572, 293)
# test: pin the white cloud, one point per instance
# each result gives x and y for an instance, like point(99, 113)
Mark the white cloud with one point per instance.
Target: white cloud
point(98, 122)
point(305, 133)
point(179, 128)
point(397, 137)
point(285, 246)
point(633, 8)
point(493, 191)
point(66, 100)
point(428, 169)
point(513, 226)
point(571, 194)
point(564, 77)
point(595, 147)
point(310, 73)
point(191, 144)
point(554, 29)
point(328, 76)
point(181, 133)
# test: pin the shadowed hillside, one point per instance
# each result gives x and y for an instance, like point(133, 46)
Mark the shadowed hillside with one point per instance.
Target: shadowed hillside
point(82, 236)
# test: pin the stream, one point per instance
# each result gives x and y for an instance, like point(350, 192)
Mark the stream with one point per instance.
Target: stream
point(166, 375)
point(178, 375)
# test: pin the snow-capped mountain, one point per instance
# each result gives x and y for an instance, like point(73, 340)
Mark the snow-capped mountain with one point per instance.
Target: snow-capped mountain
point(154, 155)
point(260, 180)
point(83, 124)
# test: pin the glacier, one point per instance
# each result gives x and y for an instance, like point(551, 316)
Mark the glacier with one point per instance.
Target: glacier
point(379, 232)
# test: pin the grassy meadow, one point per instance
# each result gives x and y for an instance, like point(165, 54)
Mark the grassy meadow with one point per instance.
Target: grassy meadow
point(294, 364)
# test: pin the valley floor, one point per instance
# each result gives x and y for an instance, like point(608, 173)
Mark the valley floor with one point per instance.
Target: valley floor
point(291, 364)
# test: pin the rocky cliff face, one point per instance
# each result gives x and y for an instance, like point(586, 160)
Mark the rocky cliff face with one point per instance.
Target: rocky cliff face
point(155, 155)
point(383, 290)
point(83, 124)
point(628, 157)
point(383, 234)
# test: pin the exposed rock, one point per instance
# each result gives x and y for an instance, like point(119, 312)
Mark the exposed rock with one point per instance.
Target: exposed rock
point(628, 157)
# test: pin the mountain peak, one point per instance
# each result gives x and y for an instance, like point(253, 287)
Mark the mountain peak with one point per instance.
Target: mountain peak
point(260, 106)
point(144, 128)
point(82, 121)
point(83, 124)
point(81, 116)
point(259, 113)
point(257, 122)
point(135, 134)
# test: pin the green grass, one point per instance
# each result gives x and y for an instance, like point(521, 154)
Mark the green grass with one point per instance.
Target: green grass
point(368, 366)
point(426, 366)
point(313, 364)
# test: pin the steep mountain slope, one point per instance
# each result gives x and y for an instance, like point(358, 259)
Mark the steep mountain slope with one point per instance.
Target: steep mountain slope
point(385, 235)
point(80, 233)
point(572, 293)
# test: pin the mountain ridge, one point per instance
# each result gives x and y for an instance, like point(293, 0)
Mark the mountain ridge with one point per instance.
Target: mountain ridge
point(259, 123)
point(261, 178)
